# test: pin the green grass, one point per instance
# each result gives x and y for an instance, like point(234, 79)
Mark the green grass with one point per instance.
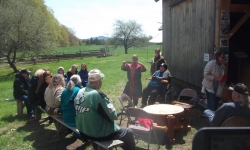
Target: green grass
point(18, 133)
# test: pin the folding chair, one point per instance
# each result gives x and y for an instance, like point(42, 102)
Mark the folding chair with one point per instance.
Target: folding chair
point(125, 99)
point(140, 113)
point(190, 93)
point(237, 121)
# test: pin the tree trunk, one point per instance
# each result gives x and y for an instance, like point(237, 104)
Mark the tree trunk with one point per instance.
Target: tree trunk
point(12, 64)
point(126, 51)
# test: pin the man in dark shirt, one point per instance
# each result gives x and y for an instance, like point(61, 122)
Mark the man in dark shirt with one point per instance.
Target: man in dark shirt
point(157, 61)
point(239, 107)
point(20, 89)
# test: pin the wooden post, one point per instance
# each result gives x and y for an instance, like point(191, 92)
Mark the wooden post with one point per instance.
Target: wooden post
point(20, 106)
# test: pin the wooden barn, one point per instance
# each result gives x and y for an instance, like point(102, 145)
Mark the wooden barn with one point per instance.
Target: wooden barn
point(193, 30)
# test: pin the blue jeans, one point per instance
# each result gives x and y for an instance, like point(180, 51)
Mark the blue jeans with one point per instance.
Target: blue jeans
point(212, 101)
point(27, 105)
point(210, 114)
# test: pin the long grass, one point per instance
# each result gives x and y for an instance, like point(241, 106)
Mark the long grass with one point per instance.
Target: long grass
point(19, 133)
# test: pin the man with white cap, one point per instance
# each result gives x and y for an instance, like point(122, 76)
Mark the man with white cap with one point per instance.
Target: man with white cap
point(95, 114)
point(240, 106)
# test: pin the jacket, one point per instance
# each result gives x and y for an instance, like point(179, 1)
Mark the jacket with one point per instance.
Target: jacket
point(52, 97)
point(212, 70)
point(32, 95)
point(67, 105)
point(20, 86)
point(95, 115)
point(84, 76)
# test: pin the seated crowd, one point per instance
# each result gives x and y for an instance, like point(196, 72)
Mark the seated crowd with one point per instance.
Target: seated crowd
point(76, 97)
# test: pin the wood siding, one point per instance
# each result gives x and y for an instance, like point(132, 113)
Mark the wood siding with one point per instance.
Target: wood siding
point(188, 33)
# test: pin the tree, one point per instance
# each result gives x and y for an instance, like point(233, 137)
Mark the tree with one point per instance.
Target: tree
point(25, 26)
point(126, 34)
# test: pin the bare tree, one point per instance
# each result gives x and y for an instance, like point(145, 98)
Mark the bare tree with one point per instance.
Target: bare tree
point(126, 34)
point(24, 28)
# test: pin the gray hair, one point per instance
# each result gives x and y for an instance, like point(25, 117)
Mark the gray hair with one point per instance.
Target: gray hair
point(57, 80)
point(243, 100)
point(74, 80)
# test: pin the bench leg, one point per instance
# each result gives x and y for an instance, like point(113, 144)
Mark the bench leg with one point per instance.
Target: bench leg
point(20, 107)
point(60, 129)
point(38, 112)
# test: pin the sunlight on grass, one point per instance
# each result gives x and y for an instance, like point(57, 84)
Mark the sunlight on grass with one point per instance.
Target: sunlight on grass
point(19, 133)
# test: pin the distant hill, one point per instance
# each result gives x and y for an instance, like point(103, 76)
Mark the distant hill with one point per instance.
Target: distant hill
point(99, 38)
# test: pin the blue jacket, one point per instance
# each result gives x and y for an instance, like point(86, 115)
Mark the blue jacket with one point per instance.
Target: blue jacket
point(84, 76)
point(67, 106)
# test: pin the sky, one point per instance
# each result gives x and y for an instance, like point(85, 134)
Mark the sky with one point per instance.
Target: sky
point(92, 18)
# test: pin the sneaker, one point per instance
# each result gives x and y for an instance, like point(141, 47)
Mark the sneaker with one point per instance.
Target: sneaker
point(32, 117)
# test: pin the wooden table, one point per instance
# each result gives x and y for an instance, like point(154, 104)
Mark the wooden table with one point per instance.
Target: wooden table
point(172, 116)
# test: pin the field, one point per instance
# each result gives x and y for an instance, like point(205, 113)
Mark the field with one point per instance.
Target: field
point(21, 133)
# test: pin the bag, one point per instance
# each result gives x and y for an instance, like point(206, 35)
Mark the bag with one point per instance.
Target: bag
point(220, 89)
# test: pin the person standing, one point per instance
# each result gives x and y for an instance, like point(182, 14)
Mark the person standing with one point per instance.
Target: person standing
point(83, 73)
point(95, 115)
point(133, 87)
point(157, 61)
point(214, 73)
point(20, 89)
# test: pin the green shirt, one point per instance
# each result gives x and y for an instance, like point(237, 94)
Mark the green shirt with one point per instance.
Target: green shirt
point(95, 115)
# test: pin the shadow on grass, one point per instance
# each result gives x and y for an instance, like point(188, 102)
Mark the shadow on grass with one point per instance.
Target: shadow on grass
point(12, 118)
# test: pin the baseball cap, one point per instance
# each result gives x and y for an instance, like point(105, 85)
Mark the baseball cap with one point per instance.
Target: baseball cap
point(95, 75)
point(240, 88)
point(164, 65)
point(25, 70)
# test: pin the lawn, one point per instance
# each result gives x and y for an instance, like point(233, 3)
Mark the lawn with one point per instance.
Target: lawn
point(21, 133)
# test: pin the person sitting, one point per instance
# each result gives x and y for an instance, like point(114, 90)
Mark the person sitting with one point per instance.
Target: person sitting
point(67, 101)
point(20, 89)
point(240, 106)
point(157, 61)
point(83, 73)
point(72, 71)
point(155, 86)
point(60, 70)
point(52, 95)
point(95, 115)
point(43, 82)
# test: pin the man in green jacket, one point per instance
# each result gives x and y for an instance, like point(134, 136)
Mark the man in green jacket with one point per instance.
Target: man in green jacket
point(95, 115)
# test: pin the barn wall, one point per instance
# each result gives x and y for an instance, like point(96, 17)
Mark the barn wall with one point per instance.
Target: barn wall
point(188, 33)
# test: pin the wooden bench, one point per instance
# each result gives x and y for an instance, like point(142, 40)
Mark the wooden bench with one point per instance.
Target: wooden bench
point(19, 104)
point(101, 144)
